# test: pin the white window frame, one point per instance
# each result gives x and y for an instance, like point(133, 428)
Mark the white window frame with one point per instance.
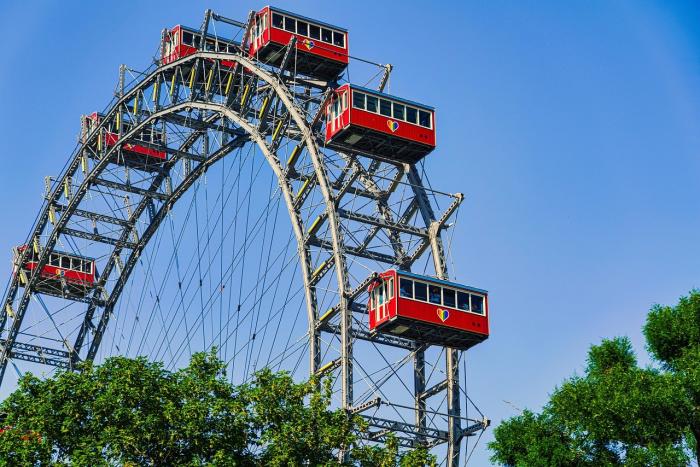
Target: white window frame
point(455, 290)
point(430, 116)
point(182, 42)
point(393, 105)
point(483, 304)
point(393, 102)
point(343, 35)
point(442, 293)
point(285, 24)
point(412, 294)
point(308, 30)
point(272, 25)
point(426, 291)
point(469, 300)
point(319, 32)
point(364, 100)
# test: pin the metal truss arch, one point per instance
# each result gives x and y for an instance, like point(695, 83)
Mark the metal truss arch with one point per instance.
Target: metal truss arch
point(93, 178)
point(347, 212)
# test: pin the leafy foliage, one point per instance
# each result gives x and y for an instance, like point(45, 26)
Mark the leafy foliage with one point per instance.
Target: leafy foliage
point(673, 338)
point(673, 331)
point(134, 412)
point(536, 440)
point(389, 455)
point(618, 413)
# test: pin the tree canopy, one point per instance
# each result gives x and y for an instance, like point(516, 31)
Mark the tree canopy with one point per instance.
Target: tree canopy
point(618, 413)
point(134, 412)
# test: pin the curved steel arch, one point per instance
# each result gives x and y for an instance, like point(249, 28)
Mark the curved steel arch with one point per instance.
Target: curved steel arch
point(299, 127)
point(251, 132)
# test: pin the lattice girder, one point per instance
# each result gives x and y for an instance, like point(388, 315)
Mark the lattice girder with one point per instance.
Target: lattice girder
point(346, 211)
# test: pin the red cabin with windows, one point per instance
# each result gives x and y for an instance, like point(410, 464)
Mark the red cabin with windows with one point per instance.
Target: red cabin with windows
point(373, 123)
point(428, 310)
point(321, 49)
point(182, 41)
point(133, 154)
point(63, 272)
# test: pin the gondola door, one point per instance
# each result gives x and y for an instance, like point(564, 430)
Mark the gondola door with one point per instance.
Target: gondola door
point(381, 301)
point(337, 113)
point(259, 29)
point(383, 295)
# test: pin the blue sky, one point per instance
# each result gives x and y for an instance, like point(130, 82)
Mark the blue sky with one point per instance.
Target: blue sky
point(573, 128)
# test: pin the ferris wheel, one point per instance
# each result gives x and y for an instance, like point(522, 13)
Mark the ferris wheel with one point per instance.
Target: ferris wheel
point(167, 233)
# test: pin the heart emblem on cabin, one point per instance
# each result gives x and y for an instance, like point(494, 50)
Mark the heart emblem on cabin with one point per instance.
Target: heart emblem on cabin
point(308, 44)
point(443, 314)
point(393, 125)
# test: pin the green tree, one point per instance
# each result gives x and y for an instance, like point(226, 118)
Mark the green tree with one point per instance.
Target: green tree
point(389, 455)
point(673, 338)
point(618, 413)
point(134, 412)
point(131, 411)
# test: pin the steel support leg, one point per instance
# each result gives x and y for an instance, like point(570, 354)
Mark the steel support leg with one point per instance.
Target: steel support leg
point(346, 353)
point(454, 428)
point(419, 389)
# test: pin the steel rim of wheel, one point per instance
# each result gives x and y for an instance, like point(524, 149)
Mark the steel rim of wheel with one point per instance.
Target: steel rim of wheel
point(192, 254)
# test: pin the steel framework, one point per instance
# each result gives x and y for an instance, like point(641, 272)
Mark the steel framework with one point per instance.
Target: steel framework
point(346, 211)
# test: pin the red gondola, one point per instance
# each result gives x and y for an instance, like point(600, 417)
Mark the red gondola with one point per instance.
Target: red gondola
point(428, 310)
point(370, 122)
point(134, 154)
point(182, 41)
point(321, 49)
point(62, 273)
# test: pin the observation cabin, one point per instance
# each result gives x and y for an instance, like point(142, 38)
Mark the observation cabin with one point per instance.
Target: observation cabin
point(360, 120)
point(428, 310)
point(63, 274)
point(181, 41)
point(321, 49)
point(140, 154)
